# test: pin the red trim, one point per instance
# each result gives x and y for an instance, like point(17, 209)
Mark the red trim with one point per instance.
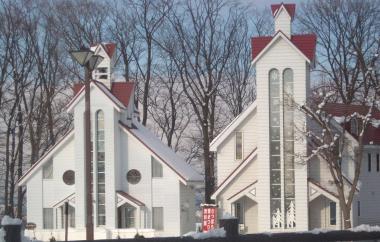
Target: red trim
point(321, 187)
point(129, 131)
point(48, 152)
point(290, 8)
point(129, 197)
point(241, 163)
point(253, 183)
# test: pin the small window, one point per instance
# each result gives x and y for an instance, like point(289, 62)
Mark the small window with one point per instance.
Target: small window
point(358, 208)
point(47, 170)
point(156, 168)
point(239, 145)
point(377, 162)
point(354, 126)
point(332, 213)
point(102, 70)
point(103, 77)
point(48, 218)
point(369, 162)
point(130, 216)
point(158, 218)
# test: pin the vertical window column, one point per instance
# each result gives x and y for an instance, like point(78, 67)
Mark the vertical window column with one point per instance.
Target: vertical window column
point(288, 137)
point(274, 153)
point(100, 158)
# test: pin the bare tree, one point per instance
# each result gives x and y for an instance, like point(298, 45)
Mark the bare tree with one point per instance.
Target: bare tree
point(200, 41)
point(348, 49)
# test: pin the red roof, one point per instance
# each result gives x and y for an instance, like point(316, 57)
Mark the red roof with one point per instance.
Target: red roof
point(290, 8)
point(306, 43)
point(121, 90)
point(110, 48)
point(371, 134)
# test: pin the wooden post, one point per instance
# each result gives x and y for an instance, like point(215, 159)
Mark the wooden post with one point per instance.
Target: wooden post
point(66, 220)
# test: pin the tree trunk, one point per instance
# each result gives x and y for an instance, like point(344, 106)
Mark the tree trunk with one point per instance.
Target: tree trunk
point(20, 194)
point(346, 211)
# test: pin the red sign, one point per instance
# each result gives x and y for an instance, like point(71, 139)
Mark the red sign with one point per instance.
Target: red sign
point(208, 218)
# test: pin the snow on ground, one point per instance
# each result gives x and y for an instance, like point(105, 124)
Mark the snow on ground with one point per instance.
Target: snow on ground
point(10, 221)
point(214, 233)
point(366, 228)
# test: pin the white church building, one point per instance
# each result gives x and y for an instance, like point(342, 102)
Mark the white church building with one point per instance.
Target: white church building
point(260, 180)
point(139, 184)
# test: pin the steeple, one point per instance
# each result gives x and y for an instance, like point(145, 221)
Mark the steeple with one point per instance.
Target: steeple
point(104, 72)
point(283, 15)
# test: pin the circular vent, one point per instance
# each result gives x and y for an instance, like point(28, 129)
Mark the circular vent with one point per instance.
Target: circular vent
point(69, 177)
point(133, 176)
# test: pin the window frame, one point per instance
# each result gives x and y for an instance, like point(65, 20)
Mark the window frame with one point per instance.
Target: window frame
point(153, 161)
point(369, 157)
point(161, 222)
point(44, 167)
point(242, 145)
point(354, 124)
point(332, 218)
point(44, 218)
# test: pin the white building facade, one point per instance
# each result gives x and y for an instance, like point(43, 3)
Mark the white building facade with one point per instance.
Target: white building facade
point(139, 184)
point(261, 178)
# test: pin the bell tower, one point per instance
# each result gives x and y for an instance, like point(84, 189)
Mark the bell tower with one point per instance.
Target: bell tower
point(283, 15)
point(104, 72)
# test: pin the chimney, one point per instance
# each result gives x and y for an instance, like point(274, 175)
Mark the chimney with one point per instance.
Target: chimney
point(104, 72)
point(283, 15)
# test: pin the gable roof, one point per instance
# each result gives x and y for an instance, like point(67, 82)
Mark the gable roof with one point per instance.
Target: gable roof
point(231, 127)
point(130, 198)
point(289, 7)
point(109, 48)
point(305, 43)
point(236, 171)
point(371, 134)
point(43, 159)
point(176, 163)
point(120, 93)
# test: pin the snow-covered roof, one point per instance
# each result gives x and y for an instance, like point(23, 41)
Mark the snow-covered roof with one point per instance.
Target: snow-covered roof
point(231, 127)
point(163, 152)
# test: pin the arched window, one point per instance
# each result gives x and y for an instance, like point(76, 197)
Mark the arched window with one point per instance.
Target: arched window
point(274, 143)
point(288, 141)
point(354, 126)
point(100, 165)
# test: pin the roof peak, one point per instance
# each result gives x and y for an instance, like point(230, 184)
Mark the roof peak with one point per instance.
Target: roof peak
point(289, 7)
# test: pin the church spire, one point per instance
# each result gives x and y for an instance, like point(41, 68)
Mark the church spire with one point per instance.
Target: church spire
point(104, 72)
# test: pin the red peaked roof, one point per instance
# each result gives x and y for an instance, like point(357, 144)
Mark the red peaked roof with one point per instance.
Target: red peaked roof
point(290, 8)
point(371, 134)
point(110, 48)
point(121, 90)
point(306, 43)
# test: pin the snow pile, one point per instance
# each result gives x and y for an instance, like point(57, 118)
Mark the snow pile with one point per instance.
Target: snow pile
point(10, 221)
point(366, 228)
point(2, 234)
point(319, 231)
point(340, 119)
point(214, 233)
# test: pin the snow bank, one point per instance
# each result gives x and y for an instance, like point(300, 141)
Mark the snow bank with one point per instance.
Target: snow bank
point(10, 221)
point(227, 216)
point(366, 228)
point(214, 233)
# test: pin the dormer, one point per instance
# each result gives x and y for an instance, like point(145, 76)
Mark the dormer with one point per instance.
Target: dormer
point(283, 15)
point(104, 72)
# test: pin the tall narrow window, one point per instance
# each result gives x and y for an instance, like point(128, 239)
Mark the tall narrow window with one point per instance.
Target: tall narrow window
point(238, 145)
point(158, 218)
point(47, 170)
point(156, 168)
point(354, 126)
point(275, 151)
point(369, 162)
point(332, 213)
point(48, 218)
point(359, 208)
point(288, 139)
point(377, 162)
point(100, 159)
point(130, 214)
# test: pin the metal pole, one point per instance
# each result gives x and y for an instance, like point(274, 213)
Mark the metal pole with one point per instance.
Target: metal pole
point(66, 220)
point(87, 113)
